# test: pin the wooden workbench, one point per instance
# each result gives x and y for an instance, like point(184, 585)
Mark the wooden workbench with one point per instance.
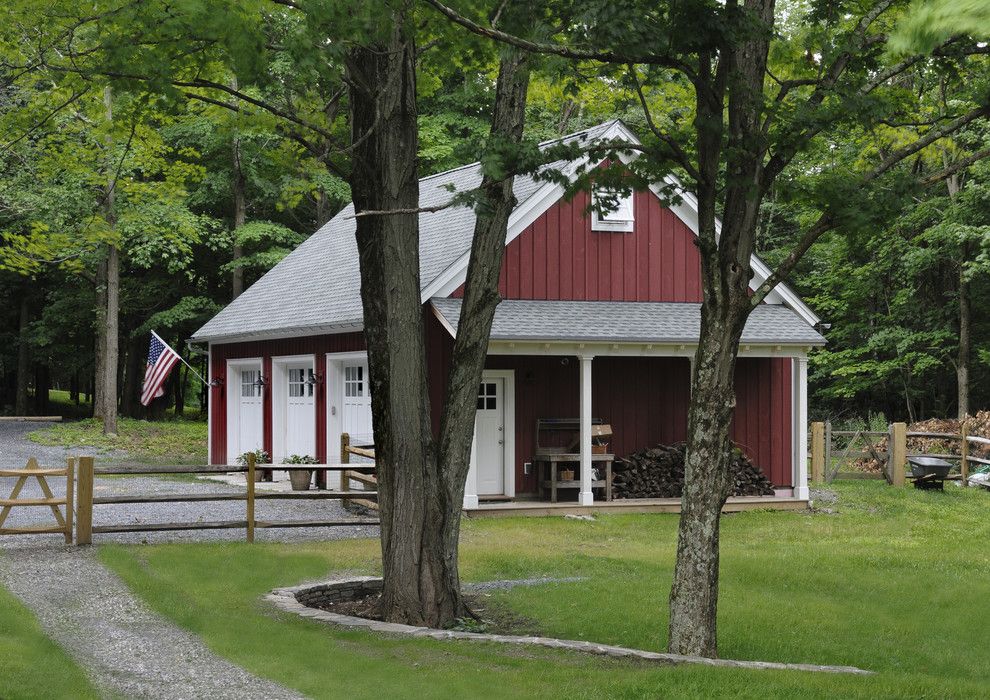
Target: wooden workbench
point(547, 466)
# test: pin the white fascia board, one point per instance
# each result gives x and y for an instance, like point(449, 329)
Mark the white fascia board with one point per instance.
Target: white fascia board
point(279, 334)
point(598, 348)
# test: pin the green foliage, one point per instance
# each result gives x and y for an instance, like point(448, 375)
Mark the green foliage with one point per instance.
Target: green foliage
point(927, 23)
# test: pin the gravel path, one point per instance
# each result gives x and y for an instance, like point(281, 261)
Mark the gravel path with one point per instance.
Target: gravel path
point(128, 650)
point(15, 449)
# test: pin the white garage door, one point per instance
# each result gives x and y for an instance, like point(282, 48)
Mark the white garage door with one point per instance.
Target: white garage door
point(244, 432)
point(356, 419)
point(300, 411)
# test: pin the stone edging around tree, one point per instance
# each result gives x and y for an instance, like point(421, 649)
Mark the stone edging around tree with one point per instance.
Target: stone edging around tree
point(297, 599)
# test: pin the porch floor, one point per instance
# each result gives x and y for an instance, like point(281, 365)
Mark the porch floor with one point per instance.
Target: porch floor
point(735, 504)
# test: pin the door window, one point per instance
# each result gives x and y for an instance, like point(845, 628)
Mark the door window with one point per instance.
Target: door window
point(300, 383)
point(248, 387)
point(354, 380)
point(487, 396)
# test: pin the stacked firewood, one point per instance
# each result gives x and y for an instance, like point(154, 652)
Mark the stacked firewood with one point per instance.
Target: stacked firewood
point(658, 472)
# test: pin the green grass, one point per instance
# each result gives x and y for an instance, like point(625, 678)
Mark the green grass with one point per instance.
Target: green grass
point(895, 582)
point(31, 665)
point(175, 441)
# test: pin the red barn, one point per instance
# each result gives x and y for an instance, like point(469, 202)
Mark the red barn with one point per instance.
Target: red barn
point(599, 320)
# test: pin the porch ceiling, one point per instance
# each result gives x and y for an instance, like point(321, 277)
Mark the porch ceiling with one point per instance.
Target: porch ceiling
point(626, 322)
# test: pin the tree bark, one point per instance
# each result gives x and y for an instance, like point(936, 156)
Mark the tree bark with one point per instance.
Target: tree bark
point(954, 185)
point(112, 317)
point(240, 214)
point(23, 360)
point(726, 272)
point(421, 484)
point(100, 351)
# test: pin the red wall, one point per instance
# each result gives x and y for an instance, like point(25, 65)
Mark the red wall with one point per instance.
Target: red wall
point(559, 257)
point(317, 346)
point(645, 399)
point(762, 425)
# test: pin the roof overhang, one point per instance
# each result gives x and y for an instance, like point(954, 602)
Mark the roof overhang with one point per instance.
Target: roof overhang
point(279, 333)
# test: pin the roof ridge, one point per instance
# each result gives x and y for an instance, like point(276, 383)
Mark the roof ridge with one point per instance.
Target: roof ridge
point(604, 126)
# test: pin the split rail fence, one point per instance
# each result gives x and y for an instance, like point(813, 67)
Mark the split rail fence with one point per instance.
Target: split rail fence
point(827, 460)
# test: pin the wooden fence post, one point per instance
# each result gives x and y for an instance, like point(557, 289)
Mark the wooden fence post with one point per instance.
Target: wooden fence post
point(964, 452)
point(84, 502)
point(898, 453)
point(345, 458)
point(70, 475)
point(250, 496)
point(817, 453)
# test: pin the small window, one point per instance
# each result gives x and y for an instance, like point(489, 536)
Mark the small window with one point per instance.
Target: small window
point(620, 218)
point(248, 387)
point(297, 382)
point(487, 396)
point(354, 380)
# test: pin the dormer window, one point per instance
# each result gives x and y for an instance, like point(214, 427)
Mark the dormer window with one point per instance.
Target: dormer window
point(619, 218)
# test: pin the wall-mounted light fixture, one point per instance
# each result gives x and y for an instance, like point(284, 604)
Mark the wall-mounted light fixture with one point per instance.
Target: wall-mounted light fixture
point(314, 379)
point(216, 383)
point(260, 382)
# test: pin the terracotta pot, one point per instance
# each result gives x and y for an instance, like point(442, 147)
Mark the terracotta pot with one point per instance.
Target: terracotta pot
point(300, 479)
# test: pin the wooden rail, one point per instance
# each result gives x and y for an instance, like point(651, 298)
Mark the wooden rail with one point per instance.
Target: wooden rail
point(896, 456)
point(86, 499)
point(63, 523)
point(352, 474)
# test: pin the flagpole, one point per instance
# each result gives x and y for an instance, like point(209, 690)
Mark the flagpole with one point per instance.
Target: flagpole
point(179, 355)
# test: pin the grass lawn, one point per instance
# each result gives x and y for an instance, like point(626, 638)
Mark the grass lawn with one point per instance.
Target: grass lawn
point(896, 581)
point(175, 441)
point(31, 665)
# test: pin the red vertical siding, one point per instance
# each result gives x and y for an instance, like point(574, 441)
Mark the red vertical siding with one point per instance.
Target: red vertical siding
point(762, 424)
point(317, 346)
point(559, 257)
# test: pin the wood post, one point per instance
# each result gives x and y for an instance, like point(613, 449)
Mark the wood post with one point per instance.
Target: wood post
point(84, 502)
point(964, 452)
point(828, 446)
point(345, 458)
point(817, 453)
point(250, 496)
point(898, 453)
point(70, 474)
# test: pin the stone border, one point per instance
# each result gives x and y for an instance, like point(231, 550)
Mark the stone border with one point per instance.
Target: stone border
point(291, 599)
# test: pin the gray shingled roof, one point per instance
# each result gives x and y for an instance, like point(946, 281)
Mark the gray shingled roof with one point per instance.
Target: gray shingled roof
point(317, 287)
point(628, 321)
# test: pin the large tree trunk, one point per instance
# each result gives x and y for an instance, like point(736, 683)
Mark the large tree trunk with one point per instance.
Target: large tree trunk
point(726, 273)
point(23, 360)
point(965, 342)
point(384, 177)
point(108, 385)
point(100, 351)
point(421, 485)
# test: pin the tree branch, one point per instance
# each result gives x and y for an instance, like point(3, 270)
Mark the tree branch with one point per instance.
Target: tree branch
point(662, 60)
point(680, 156)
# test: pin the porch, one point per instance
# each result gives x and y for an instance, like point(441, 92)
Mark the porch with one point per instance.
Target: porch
point(629, 365)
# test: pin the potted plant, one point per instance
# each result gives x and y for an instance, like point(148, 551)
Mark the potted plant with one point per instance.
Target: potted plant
point(300, 478)
point(260, 457)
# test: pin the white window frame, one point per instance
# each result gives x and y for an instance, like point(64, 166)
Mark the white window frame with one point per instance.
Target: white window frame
point(622, 219)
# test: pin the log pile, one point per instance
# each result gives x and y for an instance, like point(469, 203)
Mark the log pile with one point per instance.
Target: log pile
point(658, 472)
point(979, 426)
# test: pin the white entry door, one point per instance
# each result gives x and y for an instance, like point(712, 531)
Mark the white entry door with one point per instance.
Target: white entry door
point(245, 429)
point(300, 410)
point(490, 434)
point(357, 403)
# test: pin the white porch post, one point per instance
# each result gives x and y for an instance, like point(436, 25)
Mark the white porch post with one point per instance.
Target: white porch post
point(801, 427)
point(586, 497)
point(471, 485)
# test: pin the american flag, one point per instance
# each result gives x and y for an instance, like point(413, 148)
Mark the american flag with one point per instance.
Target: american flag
point(161, 359)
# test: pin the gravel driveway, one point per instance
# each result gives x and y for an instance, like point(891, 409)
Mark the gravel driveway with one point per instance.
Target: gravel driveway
point(128, 650)
point(15, 449)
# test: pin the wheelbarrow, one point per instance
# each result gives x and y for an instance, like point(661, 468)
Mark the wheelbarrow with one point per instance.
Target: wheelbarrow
point(929, 472)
